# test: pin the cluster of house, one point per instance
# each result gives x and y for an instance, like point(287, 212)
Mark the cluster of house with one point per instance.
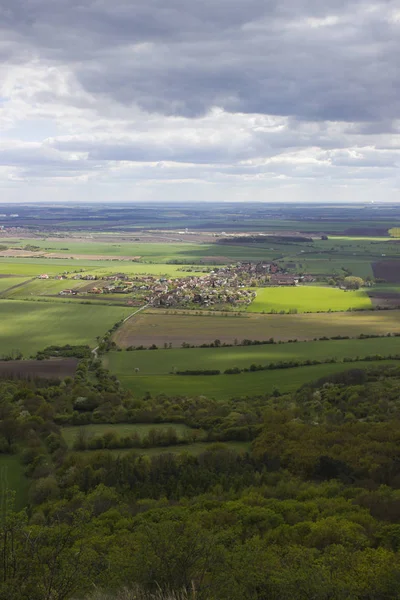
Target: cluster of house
point(200, 291)
point(123, 284)
point(231, 284)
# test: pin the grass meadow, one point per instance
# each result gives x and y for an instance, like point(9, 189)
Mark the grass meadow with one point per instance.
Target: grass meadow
point(222, 387)
point(31, 326)
point(161, 327)
point(163, 362)
point(308, 299)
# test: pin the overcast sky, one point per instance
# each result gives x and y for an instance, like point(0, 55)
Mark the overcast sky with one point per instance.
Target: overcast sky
point(208, 100)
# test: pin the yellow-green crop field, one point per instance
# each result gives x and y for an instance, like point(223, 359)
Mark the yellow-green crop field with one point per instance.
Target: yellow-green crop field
point(308, 299)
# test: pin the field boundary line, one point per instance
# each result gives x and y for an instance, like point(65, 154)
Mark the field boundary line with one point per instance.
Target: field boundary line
point(94, 351)
point(17, 285)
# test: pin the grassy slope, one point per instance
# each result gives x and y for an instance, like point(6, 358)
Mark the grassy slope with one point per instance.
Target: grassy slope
point(310, 299)
point(149, 328)
point(30, 326)
point(227, 386)
point(162, 362)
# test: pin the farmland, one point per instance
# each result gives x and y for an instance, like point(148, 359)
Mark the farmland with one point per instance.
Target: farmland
point(388, 270)
point(163, 362)
point(166, 327)
point(153, 371)
point(223, 387)
point(10, 282)
point(308, 299)
point(30, 267)
point(31, 326)
point(57, 368)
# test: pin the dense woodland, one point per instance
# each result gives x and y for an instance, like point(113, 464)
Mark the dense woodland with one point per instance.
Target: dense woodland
point(312, 511)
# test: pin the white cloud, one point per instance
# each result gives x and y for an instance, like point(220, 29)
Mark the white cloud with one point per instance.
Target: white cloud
point(227, 99)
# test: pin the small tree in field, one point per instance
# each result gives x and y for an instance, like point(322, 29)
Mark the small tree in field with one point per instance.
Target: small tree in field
point(353, 283)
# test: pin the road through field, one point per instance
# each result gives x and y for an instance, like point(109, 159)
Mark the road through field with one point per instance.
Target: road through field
point(94, 351)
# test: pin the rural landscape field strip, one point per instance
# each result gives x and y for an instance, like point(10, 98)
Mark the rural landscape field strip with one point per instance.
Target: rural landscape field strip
point(31, 326)
point(55, 368)
point(8, 283)
point(223, 387)
point(166, 327)
point(30, 267)
point(163, 362)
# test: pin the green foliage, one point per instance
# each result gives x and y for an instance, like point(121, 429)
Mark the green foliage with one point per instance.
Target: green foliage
point(81, 352)
point(311, 511)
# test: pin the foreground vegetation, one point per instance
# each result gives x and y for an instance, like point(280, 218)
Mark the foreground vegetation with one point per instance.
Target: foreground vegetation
point(310, 511)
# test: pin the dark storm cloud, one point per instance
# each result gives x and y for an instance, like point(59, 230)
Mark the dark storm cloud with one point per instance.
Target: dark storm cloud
point(176, 57)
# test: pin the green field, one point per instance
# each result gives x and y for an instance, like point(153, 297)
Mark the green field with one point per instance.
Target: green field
point(31, 267)
point(43, 287)
point(158, 252)
point(12, 478)
point(161, 327)
point(31, 326)
point(163, 362)
point(121, 429)
point(345, 250)
point(324, 266)
point(10, 282)
point(223, 387)
point(308, 299)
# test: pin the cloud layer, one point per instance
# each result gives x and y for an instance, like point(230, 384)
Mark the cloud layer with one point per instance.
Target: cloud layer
point(218, 99)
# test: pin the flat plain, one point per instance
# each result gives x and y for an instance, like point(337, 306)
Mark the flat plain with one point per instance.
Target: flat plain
point(162, 327)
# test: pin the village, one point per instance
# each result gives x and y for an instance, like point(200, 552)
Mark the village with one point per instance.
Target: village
point(232, 285)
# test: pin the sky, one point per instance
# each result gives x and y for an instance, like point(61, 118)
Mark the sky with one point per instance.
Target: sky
point(216, 100)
